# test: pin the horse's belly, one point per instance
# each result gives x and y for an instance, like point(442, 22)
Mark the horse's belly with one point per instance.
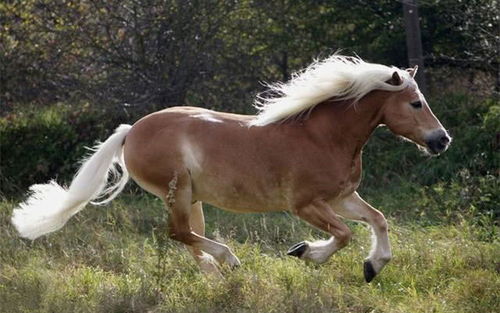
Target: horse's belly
point(242, 204)
point(240, 198)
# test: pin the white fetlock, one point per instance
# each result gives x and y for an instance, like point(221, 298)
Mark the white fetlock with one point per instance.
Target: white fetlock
point(378, 262)
point(209, 266)
point(319, 251)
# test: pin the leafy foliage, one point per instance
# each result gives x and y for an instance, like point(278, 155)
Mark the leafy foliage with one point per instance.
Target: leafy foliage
point(38, 145)
point(151, 54)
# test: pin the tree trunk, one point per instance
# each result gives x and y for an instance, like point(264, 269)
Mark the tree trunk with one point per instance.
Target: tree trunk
point(414, 41)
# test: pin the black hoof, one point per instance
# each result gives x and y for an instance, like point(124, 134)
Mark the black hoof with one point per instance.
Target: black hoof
point(369, 271)
point(297, 249)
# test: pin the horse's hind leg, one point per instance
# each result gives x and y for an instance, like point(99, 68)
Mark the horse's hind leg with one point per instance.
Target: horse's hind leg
point(204, 260)
point(355, 208)
point(178, 202)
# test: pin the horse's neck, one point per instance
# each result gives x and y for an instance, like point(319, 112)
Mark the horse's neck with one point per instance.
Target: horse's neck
point(341, 123)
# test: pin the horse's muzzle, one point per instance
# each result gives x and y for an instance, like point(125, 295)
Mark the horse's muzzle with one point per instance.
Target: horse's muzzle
point(438, 141)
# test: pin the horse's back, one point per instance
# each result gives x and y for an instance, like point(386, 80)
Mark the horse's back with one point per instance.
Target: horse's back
point(181, 140)
point(219, 153)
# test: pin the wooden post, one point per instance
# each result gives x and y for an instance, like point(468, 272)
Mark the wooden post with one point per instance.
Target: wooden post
point(414, 41)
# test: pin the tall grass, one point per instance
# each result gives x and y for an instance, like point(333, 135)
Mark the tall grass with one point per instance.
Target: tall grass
point(114, 260)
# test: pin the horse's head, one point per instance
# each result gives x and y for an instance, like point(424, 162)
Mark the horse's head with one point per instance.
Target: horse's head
point(407, 114)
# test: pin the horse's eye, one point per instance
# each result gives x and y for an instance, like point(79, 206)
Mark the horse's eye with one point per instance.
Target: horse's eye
point(416, 104)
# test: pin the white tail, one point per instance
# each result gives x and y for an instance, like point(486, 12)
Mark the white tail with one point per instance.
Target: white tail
point(50, 206)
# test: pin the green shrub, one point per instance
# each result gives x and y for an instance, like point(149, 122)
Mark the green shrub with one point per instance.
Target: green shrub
point(37, 145)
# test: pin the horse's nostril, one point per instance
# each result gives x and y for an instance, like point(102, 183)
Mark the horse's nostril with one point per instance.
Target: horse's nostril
point(444, 140)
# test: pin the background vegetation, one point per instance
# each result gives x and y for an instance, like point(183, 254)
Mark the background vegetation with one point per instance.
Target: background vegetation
point(71, 71)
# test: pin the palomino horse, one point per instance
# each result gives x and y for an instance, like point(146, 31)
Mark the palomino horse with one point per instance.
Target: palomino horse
point(301, 153)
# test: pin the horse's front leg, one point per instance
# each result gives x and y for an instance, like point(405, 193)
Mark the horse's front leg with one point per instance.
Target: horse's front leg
point(321, 215)
point(355, 208)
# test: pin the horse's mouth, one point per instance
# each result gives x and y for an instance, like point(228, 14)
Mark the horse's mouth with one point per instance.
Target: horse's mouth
point(432, 150)
point(436, 147)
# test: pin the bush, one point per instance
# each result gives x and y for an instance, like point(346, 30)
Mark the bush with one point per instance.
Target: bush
point(38, 145)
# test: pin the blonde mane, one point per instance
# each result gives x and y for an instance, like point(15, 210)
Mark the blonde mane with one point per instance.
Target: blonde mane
point(342, 77)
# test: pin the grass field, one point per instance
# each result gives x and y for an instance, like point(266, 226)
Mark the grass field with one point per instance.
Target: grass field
point(117, 259)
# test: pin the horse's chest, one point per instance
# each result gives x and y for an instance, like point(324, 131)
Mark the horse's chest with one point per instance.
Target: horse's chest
point(354, 176)
point(345, 181)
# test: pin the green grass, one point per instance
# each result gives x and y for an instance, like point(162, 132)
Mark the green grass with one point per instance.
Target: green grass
point(116, 259)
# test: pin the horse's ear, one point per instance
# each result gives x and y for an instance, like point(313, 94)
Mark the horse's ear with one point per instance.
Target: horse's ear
point(412, 71)
point(395, 80)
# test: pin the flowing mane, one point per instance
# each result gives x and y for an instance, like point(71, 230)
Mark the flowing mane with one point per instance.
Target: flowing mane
point(342, 77)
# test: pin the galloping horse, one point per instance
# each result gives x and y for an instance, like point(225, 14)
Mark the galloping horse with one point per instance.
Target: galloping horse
point(301, 153)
